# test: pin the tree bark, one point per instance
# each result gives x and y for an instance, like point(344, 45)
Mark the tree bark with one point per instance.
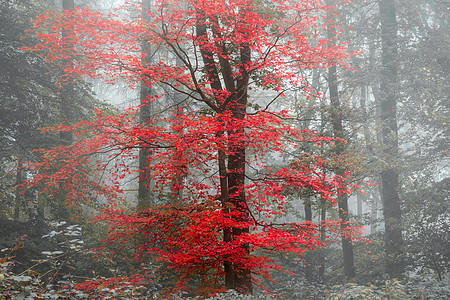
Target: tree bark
point(362, 104)
point(373, 215)
point(342, 198)
point(322, 258)
point(236, 169)
point(389, 174)
point(308, 209)
point(225, 198)
point(308, 217)
point(18, 204)
point(67, 91)
point(231, 168)
point(145, 113)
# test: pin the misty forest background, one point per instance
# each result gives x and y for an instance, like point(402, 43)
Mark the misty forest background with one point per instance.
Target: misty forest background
point(405, 215)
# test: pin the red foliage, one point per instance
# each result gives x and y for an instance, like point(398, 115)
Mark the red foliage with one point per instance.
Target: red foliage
point(279, 38)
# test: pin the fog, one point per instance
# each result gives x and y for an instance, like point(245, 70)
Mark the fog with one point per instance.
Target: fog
point(224, 149)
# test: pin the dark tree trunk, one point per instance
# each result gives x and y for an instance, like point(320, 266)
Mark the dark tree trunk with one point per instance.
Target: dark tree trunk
point(18, 204)
point(66, 94)
point(311, 265)
point(225, 198)
point(308, 209)
point(362, 104)
point(342, 199)
point(373, 215)
point(389, 174)
point(231, 168)
point(236, 171)
point(308, 217)
point(145, 113)
point(322, 258)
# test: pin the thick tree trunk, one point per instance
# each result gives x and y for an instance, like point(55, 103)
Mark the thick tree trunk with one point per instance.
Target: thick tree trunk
point(231, 168)
point(236, 171)
point(389, 174)
point(225, 198)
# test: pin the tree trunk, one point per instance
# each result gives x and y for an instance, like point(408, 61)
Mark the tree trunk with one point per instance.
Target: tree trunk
point(362, 104)
point(308, 209)
point(231, 168)
point(375, 87)
point(145, 113)
point(236, 171)
point(389, 173)
point(322, 258)
point(66, 138)
point(225, 198)
point(18, 204)
point(359, 205)
point(373, 215)
point(308, 217)
point(342, 198)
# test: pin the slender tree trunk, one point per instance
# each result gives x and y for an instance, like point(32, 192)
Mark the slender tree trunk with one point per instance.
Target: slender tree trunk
point(373, 215)
point(178, 180)
point(342, 199)
point(389, 174)
point(308, 209)
point(362, 104)
point(66, 94)
point(308, 217)
point(322, 258)
point(145, 113)
point(323, 203)
point(359, 205)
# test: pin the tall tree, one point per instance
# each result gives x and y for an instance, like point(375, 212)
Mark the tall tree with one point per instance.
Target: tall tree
point(67, 90)
point(145, 114)
point(389, 174)
point(338, 132)
point(225, 50)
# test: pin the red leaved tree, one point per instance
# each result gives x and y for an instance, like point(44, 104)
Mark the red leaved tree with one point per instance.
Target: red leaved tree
point(219, 55)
